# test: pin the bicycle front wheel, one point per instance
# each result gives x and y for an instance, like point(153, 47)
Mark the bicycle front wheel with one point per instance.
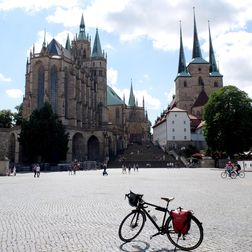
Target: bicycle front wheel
point(242, 174)
point(187, 242)
point(132, 225)
point(223, 174)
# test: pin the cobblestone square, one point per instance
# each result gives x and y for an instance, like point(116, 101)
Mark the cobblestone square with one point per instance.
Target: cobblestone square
point(82, 212)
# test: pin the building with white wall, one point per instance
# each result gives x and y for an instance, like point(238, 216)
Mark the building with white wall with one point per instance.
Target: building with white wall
point(172, 129)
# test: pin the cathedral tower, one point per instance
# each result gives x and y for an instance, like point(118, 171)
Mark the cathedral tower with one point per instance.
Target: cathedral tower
point(196, 81)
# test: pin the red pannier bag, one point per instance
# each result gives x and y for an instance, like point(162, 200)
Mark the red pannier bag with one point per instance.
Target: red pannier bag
point(181, 220)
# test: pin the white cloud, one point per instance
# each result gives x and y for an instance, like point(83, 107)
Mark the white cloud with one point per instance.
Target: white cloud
point(35, 5)
point(4, 79)
point(112, 77)
point(14, 93)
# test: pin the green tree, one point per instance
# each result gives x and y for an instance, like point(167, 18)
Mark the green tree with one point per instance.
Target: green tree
point(43, 136)
point(18, 115)
point(228, 121)
point(6, 118)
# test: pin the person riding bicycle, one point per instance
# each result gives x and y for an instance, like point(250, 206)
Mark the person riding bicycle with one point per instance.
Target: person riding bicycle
point(238, 168)
point(229, 167)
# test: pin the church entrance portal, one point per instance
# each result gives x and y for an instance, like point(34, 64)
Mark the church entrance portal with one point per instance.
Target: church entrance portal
point(93, 149)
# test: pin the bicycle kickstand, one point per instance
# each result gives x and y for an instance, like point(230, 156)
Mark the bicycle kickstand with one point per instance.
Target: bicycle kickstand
point(158, 233)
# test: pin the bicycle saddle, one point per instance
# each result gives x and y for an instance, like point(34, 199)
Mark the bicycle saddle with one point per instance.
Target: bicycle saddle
point(168, 199)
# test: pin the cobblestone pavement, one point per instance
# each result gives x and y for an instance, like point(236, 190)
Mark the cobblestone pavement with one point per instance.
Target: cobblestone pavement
point(82, 212)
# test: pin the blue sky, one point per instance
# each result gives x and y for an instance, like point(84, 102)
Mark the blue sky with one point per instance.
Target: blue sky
point(140, 37)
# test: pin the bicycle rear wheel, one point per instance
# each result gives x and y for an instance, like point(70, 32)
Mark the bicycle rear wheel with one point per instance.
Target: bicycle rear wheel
point(187, 242)
point(131, 225)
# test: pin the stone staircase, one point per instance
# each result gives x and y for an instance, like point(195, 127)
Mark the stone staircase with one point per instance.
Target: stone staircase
point(145, 155)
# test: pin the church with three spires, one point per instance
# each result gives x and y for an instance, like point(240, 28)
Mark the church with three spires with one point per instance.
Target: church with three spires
point(73, 79)
point(194, 83)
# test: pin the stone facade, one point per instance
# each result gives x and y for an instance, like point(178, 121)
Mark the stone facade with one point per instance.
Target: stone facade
point(73, 79)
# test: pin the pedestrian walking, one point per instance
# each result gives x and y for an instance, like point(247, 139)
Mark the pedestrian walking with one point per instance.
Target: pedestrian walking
point(38, 170)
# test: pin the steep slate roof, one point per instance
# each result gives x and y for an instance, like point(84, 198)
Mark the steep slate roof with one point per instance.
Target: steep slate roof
point(201, 100)
point(214, 71)
point(113, 98)
point(196, 53)
point(132, 101)
point(55, 48)
point(97, 51)
point(182, 69)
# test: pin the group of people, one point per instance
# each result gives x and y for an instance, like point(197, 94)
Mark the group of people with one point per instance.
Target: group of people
point(124, 168)
point(36, 170)
point(230, 167)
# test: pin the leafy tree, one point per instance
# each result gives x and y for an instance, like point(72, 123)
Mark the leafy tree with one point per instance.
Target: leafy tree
point(44, 136)
point(6, 118)
point(228, 121)
point(18, 115)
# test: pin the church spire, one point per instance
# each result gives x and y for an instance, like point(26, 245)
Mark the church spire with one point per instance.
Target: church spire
point(131, 97)
point(68, 46)
point(196, 45)
point(82, 33)
point(213, 66)
point(182, 62)
point(97, 51)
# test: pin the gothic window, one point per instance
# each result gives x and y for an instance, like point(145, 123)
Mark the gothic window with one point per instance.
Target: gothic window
point(201, 83)
point(66, 92)
point(41, 86)
point(185, 84)
point(84, 53)
point(216, 84)
point(117, 115)
point(53, 88)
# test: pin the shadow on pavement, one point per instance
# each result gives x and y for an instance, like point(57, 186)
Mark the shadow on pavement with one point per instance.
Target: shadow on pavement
point(141, 246)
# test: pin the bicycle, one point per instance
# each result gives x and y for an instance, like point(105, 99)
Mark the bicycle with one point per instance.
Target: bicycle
point(132, 225)
point(240, 174)
point(226, 173)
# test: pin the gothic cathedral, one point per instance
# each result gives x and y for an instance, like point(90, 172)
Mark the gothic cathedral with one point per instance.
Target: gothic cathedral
point(74, 81)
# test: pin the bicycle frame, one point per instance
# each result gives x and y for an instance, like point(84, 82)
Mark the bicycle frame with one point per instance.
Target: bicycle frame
point(161, 230)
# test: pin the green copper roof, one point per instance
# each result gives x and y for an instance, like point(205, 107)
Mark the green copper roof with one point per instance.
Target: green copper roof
point(182, 62)
point(113, 98)
point(213, 66)
point(82, 34)
point(196, 53)
point(97, 51)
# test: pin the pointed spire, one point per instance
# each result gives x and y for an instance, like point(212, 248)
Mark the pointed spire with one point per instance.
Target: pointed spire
point(68, 46)
point(182, 62)
point(97, 51)
point(82, 33)
point(212, 61)
point(196, 45)
point(44, 43)
point(131, 97)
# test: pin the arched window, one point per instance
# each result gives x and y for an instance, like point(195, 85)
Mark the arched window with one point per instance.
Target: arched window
point(41, 87)
point(53, 88)
point(66, 77)
point(216, 84)
point(185, 84)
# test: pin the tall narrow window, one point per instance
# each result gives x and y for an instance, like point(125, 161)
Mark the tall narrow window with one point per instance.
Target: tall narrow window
point(66, 92)
point(41, 87)
point(201, 82)
point(53, 88)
